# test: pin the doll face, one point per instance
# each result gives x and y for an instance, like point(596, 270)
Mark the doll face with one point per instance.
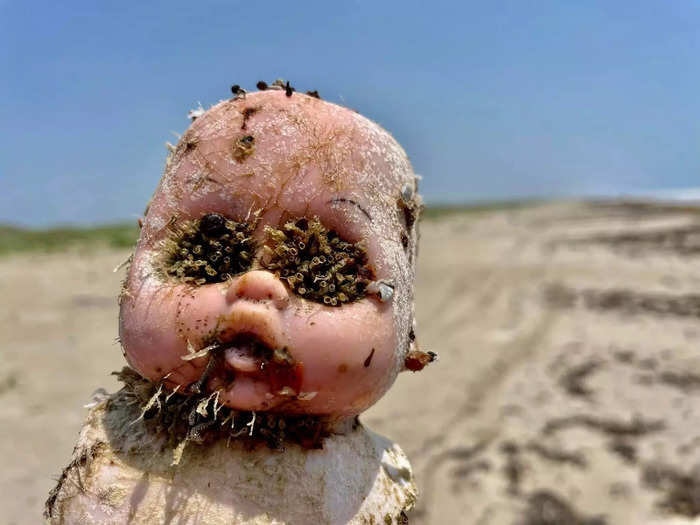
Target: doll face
point(276, 237)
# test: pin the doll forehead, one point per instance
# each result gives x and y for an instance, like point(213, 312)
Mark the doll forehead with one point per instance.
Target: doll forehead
point(257, 166)
point(299, 192)
point(268, 136)
point(300, 156)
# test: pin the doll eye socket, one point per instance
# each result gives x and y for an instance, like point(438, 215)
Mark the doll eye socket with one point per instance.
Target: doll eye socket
point(210, 249)
point(316, 262)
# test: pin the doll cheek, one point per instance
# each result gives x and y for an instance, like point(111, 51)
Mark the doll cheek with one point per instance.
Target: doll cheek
point(348, 357)
point(153, 333)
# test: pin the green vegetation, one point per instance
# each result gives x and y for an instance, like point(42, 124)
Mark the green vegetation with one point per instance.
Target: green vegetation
point(437, 211)
point(15, 240)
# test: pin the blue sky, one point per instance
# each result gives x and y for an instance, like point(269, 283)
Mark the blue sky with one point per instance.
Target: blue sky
point(492, 100)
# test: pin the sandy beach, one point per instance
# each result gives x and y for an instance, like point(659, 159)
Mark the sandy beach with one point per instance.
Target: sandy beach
point(566, 390)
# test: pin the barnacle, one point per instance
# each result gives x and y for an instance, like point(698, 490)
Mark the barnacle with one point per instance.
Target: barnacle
point(316, 262)
point(243, 148)
point(201, 418)
point(208, 250)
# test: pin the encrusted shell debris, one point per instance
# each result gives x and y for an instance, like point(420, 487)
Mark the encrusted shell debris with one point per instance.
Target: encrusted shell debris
point(195, 113)
point(407, 192)
point(384, 290)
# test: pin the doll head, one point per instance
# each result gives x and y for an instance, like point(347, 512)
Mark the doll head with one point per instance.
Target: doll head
point(277, 259)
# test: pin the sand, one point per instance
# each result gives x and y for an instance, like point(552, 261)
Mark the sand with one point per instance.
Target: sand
point(566, 391)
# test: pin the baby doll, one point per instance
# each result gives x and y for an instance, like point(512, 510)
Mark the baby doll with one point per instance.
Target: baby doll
point(268, 303)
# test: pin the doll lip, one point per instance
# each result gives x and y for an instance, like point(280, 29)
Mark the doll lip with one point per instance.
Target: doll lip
point(248, 322)
point(251, 362)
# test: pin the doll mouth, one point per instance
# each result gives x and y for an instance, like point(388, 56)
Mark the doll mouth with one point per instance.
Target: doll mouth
point(248, 353)
point(249, 357)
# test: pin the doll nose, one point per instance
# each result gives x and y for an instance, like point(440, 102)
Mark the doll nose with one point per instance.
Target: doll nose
point(258, 285)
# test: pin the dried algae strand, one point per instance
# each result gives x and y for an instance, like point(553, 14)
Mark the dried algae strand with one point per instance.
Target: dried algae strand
point(208, 250)
point(316, 262)
point(200, 418)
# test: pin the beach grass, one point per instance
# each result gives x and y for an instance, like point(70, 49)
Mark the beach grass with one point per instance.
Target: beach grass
point(438, 211)
point(15, 239)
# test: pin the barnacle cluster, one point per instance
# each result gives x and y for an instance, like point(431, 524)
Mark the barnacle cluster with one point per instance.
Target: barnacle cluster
point(316, 263)
point(209, 250)
point(200, 418)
